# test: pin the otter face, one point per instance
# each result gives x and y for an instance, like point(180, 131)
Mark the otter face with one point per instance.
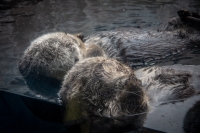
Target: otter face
point(106, 93)
point(52, 55)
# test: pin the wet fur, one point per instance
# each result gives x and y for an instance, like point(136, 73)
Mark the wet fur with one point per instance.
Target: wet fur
point(94, 50)
point(192, 119)
point(137, 47)
point(51, 55)
point(113, 97)
point(164, 84)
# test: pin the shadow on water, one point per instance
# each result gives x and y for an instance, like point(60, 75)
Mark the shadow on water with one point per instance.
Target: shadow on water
point(21, 21)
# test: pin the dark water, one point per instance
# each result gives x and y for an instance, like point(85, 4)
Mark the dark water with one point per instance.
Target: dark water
point(21, 21)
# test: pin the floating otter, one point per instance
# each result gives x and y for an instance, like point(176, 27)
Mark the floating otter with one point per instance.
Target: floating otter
point(52, 55)
point(106, 93)
point(139, 48)
point(48, 59)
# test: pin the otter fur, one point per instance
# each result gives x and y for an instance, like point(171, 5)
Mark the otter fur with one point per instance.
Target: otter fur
point(94, 50)
point(162, 85)
point(171, 91)
point(52, 55)
point(165, 84)
point(106, 93)
point(138, 48)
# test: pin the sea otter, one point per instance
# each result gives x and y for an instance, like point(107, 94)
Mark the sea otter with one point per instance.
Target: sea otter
point(51, 55)
point(139, 47)
point(106, 93)
point(48, 59)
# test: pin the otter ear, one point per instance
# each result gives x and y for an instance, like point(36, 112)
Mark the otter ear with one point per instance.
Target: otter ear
point(80, 36)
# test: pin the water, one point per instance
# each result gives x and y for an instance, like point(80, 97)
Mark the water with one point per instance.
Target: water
point(21, 21)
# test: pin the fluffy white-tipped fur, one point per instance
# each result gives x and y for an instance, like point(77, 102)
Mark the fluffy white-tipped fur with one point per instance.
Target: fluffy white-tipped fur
point(52, 55)
point(107, 89)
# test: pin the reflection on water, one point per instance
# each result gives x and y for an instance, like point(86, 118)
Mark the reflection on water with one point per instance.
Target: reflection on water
point(22, 21)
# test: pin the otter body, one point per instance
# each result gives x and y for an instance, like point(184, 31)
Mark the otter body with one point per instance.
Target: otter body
point(138, 47)
point(107, 93)
point(51, 55)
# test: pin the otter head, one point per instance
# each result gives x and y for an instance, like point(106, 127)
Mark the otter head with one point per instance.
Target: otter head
point(51, 56)
point(106, 94)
